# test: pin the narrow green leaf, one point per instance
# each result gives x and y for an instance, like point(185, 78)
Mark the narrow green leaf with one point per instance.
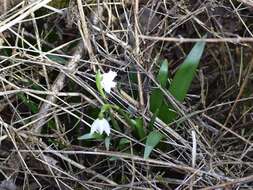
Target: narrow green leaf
point(123, 143)
point(107, 142)
point(33, 107)
point(31, 84)
point(133, 75)
point(163, 73)
point(57, 59)
point(152, 121)
point(153, 139)
point(98, 83)
point(186, 72)
point(156, 97)
point(51, 124)
point(138, 128)
point(114, 158)
point(166, 113)
point(88, 136)
point(156, 100)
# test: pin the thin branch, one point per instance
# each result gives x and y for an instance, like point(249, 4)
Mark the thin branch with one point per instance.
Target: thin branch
point(29, 9)
point(235, 40)
point(58, 86)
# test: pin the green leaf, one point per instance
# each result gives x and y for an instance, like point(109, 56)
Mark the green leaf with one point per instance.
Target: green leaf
point(186, 72)
point(31, 84)
point(123, 143)
point(180, 84)
point(51, 124)
point(98, 83)
point(107, 142)
point(57, 59)
point(163, 73)
point(88, 136)
point(152, 122)
point(114, 158)
point(156, 97)
point(166, 113)
point(153, 139)
point(156, 100)
point(138, 128)
point(33, 107)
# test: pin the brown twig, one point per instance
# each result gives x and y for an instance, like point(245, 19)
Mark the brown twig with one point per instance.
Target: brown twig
point(247, 2)
point(235, 40)
point(57, 87)
point(23, 14)
point(231, 183)
point(137, 51)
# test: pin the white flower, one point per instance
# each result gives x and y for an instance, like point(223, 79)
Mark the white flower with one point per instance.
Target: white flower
point(107, 81)
point(100, 125)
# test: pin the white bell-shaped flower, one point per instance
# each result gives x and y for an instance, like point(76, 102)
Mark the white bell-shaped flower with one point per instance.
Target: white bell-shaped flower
point(100, 126)
point(107, 81)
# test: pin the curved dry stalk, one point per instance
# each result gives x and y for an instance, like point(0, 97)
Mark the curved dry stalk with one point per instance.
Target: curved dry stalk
point(57, 87)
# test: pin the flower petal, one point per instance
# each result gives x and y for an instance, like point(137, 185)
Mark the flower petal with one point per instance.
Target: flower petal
point(107, 130)
point(110, 76)
point(100, 126)
point(94, 127)
point(107, 88)
point(107, 81)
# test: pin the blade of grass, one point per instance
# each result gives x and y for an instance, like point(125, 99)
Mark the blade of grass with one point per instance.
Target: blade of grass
point(138, 128)
point(186, 72)
point(156, 97)
point(163, 73)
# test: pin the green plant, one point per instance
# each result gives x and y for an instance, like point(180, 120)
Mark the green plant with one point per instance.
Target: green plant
point(153, 139)
point(179, 86)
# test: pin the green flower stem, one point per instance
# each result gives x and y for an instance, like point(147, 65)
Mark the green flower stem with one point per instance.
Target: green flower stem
point(106, 107)
point(99, 86)
point(101, 115)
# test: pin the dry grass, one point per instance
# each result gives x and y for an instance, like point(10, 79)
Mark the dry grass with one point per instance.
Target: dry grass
point(48, 97)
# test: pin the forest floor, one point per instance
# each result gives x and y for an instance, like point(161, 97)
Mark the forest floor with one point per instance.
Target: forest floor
point(54, 57)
